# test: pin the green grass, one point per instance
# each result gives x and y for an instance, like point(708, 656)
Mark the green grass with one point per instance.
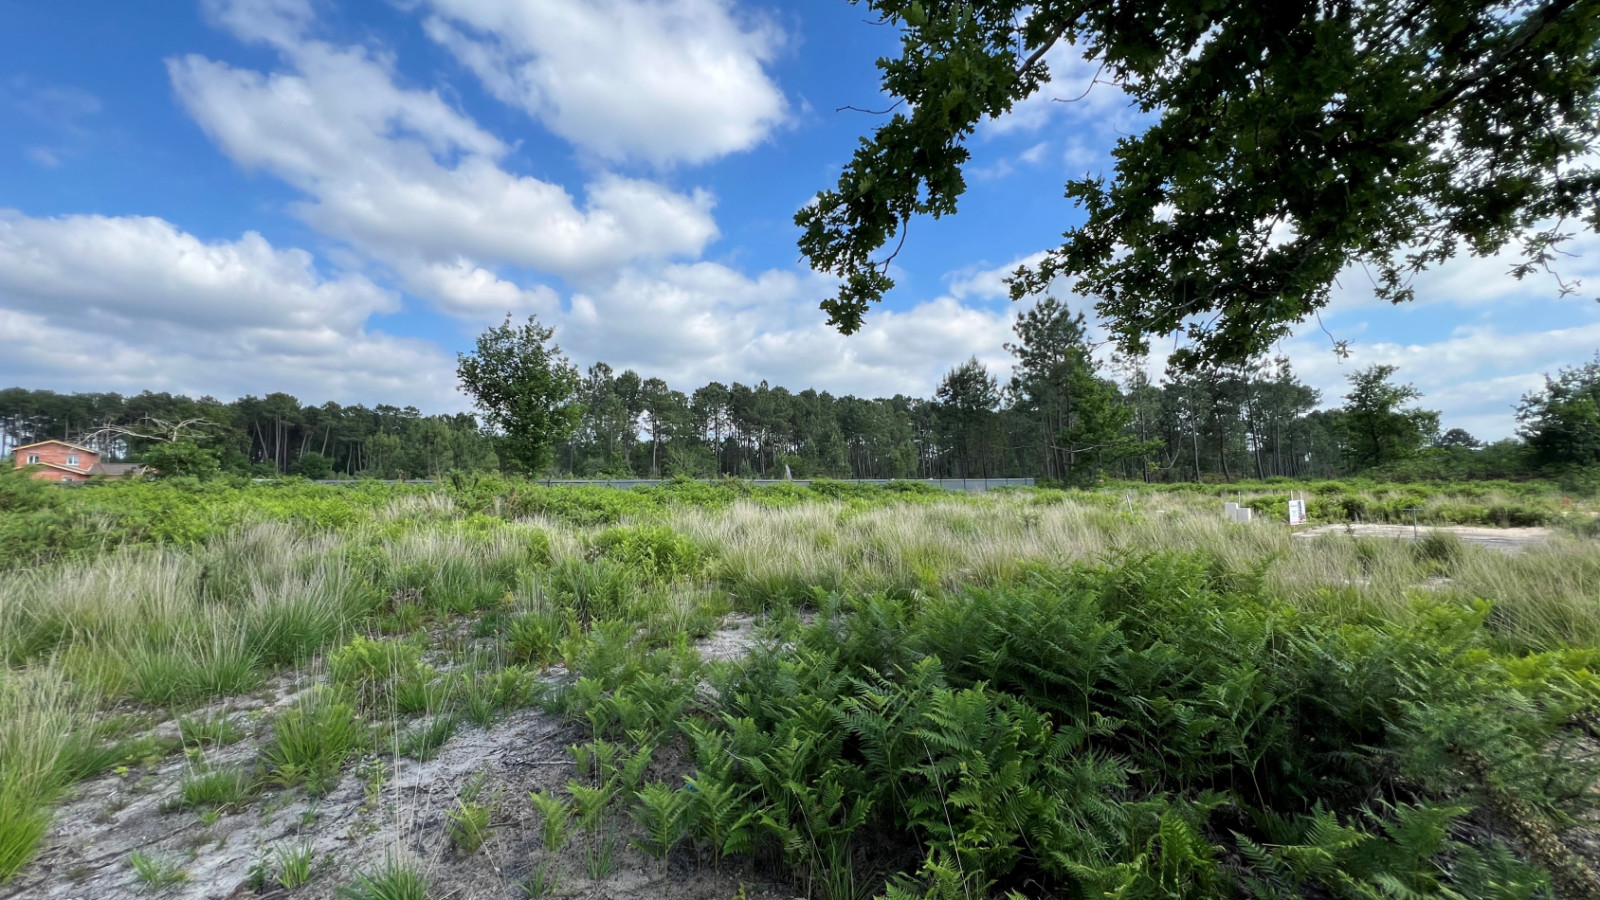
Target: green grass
point(294, 864)
point(157, 597)
point(312, 739)
point(543, 882)
point(423, 742)
point(226, 788)
point(396, 879)
point(214, 730)
point(156, 873)
point(43, 744)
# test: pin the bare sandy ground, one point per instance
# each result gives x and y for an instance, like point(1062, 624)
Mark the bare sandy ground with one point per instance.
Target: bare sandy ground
point(1506, 540)
point(85, 856)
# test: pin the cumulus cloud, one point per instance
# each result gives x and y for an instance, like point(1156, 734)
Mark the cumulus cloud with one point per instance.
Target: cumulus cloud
point(1475, 375)
point(473, 292)
point(134, 303)
point(701, 322)
point(405, 183)
point(403, 175)
point(1479, 281)
point(661, 81)
point(983, 282)
point(279, 23)
point(1077, 90)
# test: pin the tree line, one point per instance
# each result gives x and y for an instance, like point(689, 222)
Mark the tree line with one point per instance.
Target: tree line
point(1063, 415)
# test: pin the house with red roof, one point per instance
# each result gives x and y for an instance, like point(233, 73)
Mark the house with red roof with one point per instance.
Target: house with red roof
point(62, 462)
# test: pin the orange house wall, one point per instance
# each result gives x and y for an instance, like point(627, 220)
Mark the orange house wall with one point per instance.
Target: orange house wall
point(57, 454)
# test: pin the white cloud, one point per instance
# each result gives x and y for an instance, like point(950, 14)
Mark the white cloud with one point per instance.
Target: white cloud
point(1477, 281)
point(983, 282)
point(98, 303)
point(279, 23)
point(135, 270)
point(405, 180)
point(1474, 376)
point(473, 292)
point(700, 322)
point(1077, 89)
point(401, 174)
point(656, 80)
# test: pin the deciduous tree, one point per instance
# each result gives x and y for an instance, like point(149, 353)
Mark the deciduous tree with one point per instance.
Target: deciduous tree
point(1561, 422)
point(1378, 429)
point(1289, 140)
point(524, 385)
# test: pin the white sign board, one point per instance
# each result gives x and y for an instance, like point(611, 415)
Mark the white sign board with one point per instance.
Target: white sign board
point(1297, 512)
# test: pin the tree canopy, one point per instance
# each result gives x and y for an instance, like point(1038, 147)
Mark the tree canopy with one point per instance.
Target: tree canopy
point(1379, 429)
point(524, 386)
point(1290, 139)
point(1561, 422)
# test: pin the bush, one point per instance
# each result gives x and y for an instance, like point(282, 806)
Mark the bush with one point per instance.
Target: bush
point(312, 465)
point(371, 669)
point(655, 552)
point(182, 459)
point(535, 637)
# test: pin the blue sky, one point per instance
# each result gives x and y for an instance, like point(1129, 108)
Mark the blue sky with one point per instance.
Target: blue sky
point(332, 198)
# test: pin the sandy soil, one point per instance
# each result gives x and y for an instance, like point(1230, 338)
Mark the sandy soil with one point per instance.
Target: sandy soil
point(86, 854)
point(1507, 540)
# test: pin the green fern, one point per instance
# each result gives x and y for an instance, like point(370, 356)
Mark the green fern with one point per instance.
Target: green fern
point(663, 813)
point(556, 819)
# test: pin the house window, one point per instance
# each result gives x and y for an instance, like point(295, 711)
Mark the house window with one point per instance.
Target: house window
point(33, 459)
point(72, 459)
point(66, 479)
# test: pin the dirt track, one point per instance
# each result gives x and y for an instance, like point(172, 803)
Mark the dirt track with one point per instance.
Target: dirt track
point(1506, 540)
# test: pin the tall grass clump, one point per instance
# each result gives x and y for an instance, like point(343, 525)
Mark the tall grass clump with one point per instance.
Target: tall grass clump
point(312, 739)
point(468, 567)
point(39, 718)
point(167, 627)
point(396, 879)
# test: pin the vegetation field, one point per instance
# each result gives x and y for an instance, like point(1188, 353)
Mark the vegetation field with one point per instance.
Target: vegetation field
point(489, 688)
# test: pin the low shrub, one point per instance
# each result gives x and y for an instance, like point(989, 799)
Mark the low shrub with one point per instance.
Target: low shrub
point(468, 826)
point(534, 638)
point(655, 552)
point(370, 669)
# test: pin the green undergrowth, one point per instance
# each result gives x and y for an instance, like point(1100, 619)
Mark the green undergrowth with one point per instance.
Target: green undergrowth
point(40, 522)
point(1153, 727)
point(1483, 503)
point(968, 714)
